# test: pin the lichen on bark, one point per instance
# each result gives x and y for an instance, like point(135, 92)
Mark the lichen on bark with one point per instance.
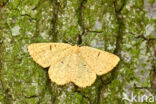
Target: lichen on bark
point(122, 27)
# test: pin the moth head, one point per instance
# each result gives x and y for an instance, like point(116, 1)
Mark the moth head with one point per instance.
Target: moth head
point(76, 49)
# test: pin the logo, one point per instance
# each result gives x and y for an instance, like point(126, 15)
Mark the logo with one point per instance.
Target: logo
point(138, 98)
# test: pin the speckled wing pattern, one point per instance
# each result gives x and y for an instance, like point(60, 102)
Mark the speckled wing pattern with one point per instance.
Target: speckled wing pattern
point(100, 62)
point(46, 54)
point(72, 63)
point(72, 69)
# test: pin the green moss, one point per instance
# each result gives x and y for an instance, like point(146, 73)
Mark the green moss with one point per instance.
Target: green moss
point(151, 1)
point(68, 15)
point(71, 98)
point(2, 95)
point(21, 76)
point(101, 22)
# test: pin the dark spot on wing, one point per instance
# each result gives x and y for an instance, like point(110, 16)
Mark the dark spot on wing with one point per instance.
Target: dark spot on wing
point(84, 65)
point(50, 47)
point(98, 54)
point(68, 65)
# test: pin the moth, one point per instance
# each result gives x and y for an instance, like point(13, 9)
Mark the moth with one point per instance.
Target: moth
point(76, 64)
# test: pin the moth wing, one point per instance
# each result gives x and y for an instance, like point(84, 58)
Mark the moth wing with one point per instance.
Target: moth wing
point(100, 61)
point(72, 69)
point(60, 72)
point(82, 75)
point(46, 54)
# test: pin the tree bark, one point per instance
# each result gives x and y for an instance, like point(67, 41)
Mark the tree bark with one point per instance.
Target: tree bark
point(123, 27)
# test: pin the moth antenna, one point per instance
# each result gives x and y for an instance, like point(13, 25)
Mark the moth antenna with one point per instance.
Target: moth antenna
point(79, 39)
